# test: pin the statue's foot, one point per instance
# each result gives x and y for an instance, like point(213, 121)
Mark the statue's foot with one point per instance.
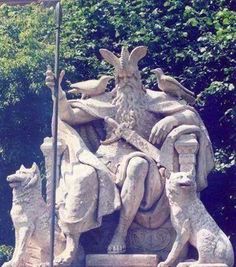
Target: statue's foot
point(117, 245)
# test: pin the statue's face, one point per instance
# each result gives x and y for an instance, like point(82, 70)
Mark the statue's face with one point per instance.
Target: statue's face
point(125, 76)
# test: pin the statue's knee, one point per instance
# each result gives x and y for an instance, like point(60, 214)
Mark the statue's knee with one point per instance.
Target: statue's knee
point(138, 166)
point(84, 174)
point(88, 171)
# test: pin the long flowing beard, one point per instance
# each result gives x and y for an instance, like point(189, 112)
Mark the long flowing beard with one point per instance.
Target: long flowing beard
point(130, 105)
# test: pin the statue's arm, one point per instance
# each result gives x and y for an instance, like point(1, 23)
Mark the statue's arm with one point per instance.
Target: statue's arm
point(165, 125)
point(72, 116)
point(66, 113)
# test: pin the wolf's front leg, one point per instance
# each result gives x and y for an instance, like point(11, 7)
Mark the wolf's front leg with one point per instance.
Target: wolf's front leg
point(180, 241)
point(23, 235)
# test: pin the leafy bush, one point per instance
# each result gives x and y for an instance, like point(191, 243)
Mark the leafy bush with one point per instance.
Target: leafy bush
point(6, 253)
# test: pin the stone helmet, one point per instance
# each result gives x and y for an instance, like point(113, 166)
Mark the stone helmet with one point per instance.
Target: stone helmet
point(127, 64)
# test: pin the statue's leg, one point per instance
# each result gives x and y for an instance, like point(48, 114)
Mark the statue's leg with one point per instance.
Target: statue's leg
point(79, 212)
point(131, 197)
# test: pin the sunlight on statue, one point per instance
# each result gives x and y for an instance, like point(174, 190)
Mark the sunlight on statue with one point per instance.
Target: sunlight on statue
point(113, 152)
point(99, 177)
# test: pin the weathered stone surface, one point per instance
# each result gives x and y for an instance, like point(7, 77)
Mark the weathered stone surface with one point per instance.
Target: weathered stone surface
point(187, 147)
point(187, 264)
point(143, 132)
point(210, 265)
point(127, 260)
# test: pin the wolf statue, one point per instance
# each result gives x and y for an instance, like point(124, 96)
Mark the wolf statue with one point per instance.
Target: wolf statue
point(194, 224)
point(31, 217)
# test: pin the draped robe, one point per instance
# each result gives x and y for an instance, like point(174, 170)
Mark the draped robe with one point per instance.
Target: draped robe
point(83, 146)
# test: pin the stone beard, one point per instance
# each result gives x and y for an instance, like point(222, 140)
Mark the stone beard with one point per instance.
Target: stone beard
point(130, 104)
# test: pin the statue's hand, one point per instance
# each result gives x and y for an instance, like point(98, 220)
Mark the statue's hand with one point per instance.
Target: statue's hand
point(161, 129)
point(50, 78)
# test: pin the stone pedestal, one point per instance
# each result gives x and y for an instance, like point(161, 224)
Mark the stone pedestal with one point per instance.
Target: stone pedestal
point(121, 260)
point(187, 147)
point(47, 150)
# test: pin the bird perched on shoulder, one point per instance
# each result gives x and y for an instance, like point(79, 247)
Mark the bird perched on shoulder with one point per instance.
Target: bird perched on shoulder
point(171, 86)
point(91, 87)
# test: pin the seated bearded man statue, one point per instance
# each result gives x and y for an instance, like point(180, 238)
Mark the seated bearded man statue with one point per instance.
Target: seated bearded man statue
point(99, 177)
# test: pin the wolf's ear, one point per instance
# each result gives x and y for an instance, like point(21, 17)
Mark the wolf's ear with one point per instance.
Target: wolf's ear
point(34, 167)
point(22, 167)
point(192, 172)
point(165, 172)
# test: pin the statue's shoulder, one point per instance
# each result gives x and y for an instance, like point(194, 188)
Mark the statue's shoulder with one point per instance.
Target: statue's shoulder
point(155, 95)
point(160, 102)
point(158, 97)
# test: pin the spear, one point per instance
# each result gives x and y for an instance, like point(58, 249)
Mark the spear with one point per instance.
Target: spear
point(58, 17)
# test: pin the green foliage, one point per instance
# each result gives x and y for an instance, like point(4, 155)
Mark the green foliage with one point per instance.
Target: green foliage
point(6, 253)
point(191, 40)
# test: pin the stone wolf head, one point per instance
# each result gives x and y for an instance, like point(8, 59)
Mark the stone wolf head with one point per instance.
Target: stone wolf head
point(25, 178)
point(180, 186)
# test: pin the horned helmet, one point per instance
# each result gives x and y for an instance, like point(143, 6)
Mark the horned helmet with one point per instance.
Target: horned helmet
point(127, 64)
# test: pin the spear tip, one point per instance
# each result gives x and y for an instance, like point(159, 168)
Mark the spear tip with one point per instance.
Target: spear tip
point(58, 14)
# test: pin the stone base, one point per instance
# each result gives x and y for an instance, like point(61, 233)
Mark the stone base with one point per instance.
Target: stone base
point(189, 264)
point(210, 265)
point(121, 260)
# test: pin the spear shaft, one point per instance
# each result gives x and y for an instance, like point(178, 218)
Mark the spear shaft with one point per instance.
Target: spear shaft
point(58, 16)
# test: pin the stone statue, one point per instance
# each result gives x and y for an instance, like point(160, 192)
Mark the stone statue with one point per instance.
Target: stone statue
point(30, 216)
point(195, 225)
point(113, 150)
point(110, 141)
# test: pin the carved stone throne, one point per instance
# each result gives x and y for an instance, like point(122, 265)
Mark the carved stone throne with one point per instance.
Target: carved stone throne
point(140, 240)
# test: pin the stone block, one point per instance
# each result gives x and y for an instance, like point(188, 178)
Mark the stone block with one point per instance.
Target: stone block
point(210, 265)
point(121, 260)
point(189, 264)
